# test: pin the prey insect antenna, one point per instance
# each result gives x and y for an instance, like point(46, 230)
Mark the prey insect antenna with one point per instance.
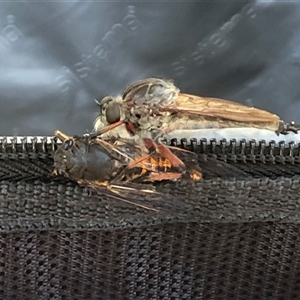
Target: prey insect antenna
point(132, 189)
point(113, 189)
point(114, 193)
point(61, 136)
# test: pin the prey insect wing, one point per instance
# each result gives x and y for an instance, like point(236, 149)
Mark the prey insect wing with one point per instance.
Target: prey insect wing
point(143, 196)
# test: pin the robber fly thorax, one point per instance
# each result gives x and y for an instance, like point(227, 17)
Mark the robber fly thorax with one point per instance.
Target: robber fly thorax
point(155, 108)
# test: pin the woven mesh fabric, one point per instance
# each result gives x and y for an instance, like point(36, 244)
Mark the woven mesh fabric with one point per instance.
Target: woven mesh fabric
point(234, 235)
point(170, 261)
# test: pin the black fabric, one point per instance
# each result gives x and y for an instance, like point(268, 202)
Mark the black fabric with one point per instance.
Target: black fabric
point(233, 235)
point(58, 56)
point(168, 261)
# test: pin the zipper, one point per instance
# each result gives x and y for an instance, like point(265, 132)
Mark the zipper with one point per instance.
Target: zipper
point(22, 147)
point(244, 151)
point(234, 151)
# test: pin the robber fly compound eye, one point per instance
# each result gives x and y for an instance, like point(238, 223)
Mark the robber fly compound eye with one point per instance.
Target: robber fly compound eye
point(113, 113)
point(67, 144)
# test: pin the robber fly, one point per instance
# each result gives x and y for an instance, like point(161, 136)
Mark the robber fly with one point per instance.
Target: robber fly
point(154, 108)
point(115, 164)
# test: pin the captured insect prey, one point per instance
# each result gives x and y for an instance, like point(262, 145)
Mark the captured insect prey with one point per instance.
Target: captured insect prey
point(154, 108)
point(121, 166)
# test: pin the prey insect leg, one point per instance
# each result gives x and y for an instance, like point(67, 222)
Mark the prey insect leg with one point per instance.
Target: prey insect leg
point(285, 128)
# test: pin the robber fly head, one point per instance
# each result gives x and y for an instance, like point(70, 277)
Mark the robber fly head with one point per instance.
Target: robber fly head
point(135, 100)
point(110, 109)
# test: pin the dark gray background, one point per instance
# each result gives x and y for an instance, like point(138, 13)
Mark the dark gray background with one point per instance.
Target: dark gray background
point(56, 57)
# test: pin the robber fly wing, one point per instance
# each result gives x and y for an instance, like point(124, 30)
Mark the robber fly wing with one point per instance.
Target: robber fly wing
point(165, 96)
point(214, 107)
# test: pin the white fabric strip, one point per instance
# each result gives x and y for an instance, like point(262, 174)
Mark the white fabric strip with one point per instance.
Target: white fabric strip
point(218, 134)
point(235, 133)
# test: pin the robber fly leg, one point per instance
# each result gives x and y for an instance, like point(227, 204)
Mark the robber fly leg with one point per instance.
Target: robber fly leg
point(130, 127)
point(111, 127)
point(193, 173)
point(165, 152)
point(286, 128)
point(138, 161)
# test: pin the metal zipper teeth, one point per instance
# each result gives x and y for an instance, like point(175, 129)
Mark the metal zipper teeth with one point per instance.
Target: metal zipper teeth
point(233, 150)
point(27, 146)
point(243, 150)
